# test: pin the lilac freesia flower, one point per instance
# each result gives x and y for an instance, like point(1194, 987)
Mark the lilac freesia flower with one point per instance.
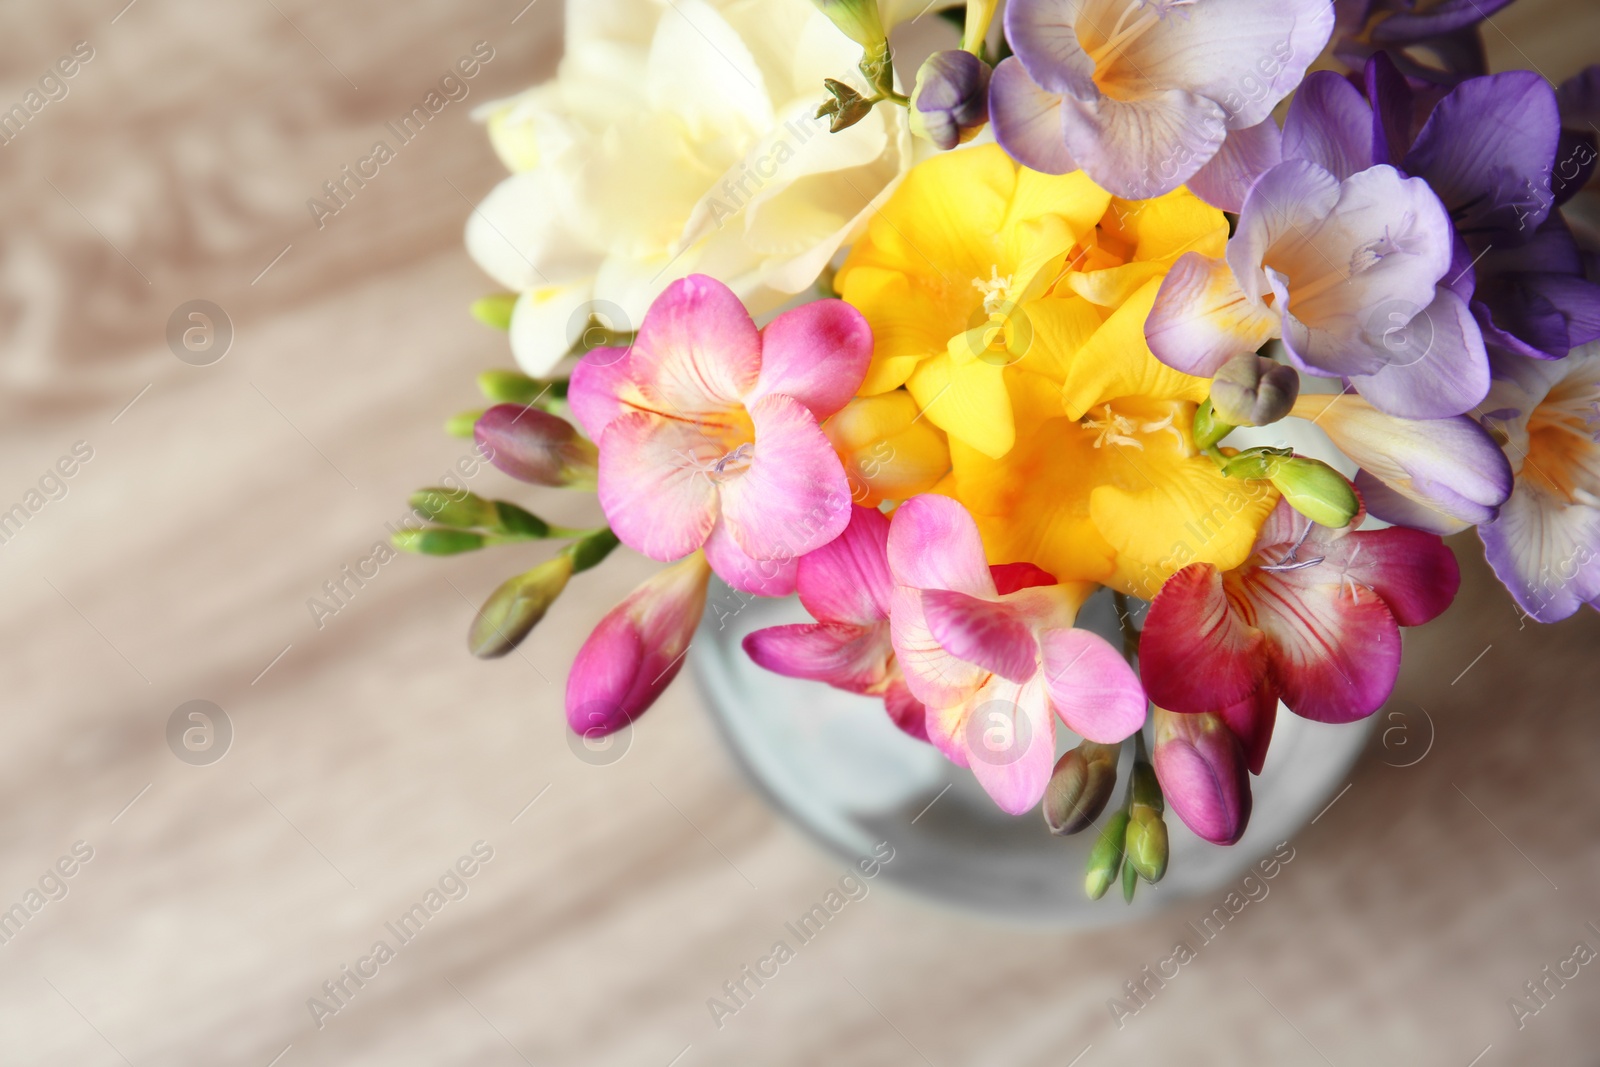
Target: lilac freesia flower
point(1545, 546)
point(1140, 94)
point(1351, 273)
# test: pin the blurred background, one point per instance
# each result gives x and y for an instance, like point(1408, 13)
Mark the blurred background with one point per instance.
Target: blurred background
point(188, 911)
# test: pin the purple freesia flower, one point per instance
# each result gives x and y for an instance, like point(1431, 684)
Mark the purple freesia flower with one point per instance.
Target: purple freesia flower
point(1140, 94)
point(1432, 41)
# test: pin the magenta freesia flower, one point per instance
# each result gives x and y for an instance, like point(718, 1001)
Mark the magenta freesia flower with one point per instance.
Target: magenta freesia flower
point(995, 668)
point(1313, 617)
point(708, 431)
point(845, 585)
point(637, 650)
point(1142, 93)
point(1201, 764)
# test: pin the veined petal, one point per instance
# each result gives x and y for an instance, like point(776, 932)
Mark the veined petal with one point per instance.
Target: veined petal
point(1330, 124)
point(843, 655)
point(1047, 45)
point(794, 497)
point(655, 497)
point(1251, 721)
point(1027, 120)
point(1091, 686)
point(1333, 644)
point(698, 351)
point(981, 631)
point(1197, 654)
point(1415, 573)
point(905, 710)
point(847, 579)
point(1545, 551)
point(1202, 317)
point(1394, 507)
point(816, 353)
point(934, 676)
point(758, 577)
point(1246, 155)
point(1145, 147)
point(600, 389)
point(1116, 362)
point(1287, 202)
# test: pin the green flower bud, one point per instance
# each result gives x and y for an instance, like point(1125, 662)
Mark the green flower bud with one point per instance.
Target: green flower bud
point(1082, 782)
point(462, 424)
point(495, 310)
point(514, 609)
point(515, 522)
point(1316, 491)
point(512, 387)
point(1255, 463)
point(1147, 842)
point(436, 541)
point(1130, 882)
point(591, 550)
point(1105, 858)
point(1251, 390)
point(456, 507)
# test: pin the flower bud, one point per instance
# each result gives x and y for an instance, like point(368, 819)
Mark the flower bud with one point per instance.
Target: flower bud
point(461, 424)
point(1105, 857)
point(536, 446)
point(455, 507)
point(1202, 771)
point(889, 452)
point(1082, 782)
point(436, 541)
point(495, 310)
point(950, 103)
point(637, 650)
point(859, 19)
point(516, 607)
point(1251, 390)
point(1130, 881)
point(1146, 842)
point(512, 387)
point(844, 107)
point(1316, 491)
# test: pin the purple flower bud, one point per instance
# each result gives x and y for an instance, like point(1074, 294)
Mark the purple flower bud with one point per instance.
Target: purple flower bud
point(1203, 773)
point(536, 446)
point(950, 103)
point(1251, 390)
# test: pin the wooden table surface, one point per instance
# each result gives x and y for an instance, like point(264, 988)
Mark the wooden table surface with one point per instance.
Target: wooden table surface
point(371, 753)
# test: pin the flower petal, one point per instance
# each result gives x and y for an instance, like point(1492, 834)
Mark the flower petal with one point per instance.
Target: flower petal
point(980, 631)
point(1251, 721)
point(1246, 155)
point(1047, 45)
point(1329, 124)
point(1545, 551)
point(905, 710)
point(656, 501)
point(934, 544)
point(847, 579)
point(600, 389)
point(1439, 367)
point(966, 398)
point(1202, 318)
point(794, 497)
point(1334, 645)
point(1142, 148)
point(1027, 120)
point(1010, 739)
point(541, 332)
point(1393, 507)
point(1091, 686)
point(1197, 654)
point(933, 675)
point(1415, 573)
point(816, 353)
point(758, 577)
point(843, 655)
point(698, 351)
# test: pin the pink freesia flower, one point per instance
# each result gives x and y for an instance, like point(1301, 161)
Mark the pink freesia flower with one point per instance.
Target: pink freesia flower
point(708, 431)
point(1201, 765)
point(1313, 617)
point(845, 586)
point(993, 665)
point(637, 650)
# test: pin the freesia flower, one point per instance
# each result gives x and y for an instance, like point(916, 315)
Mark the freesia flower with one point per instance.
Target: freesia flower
point(1433, 41)
point(708, 431)
point(675, 139)
point(994, 668)
point(1350, 274)
point(1313, 618)
point(1142, 93)
point(845, 586)
point(637, 650)
point(1545, 544)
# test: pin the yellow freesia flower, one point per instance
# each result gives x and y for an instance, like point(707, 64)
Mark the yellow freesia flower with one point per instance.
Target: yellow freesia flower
point(1011, 306)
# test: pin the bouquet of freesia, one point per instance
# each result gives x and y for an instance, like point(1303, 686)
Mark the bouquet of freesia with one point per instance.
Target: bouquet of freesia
point(1024, 322)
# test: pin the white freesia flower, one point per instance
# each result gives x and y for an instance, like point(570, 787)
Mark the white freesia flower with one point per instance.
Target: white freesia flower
point(677, 137)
